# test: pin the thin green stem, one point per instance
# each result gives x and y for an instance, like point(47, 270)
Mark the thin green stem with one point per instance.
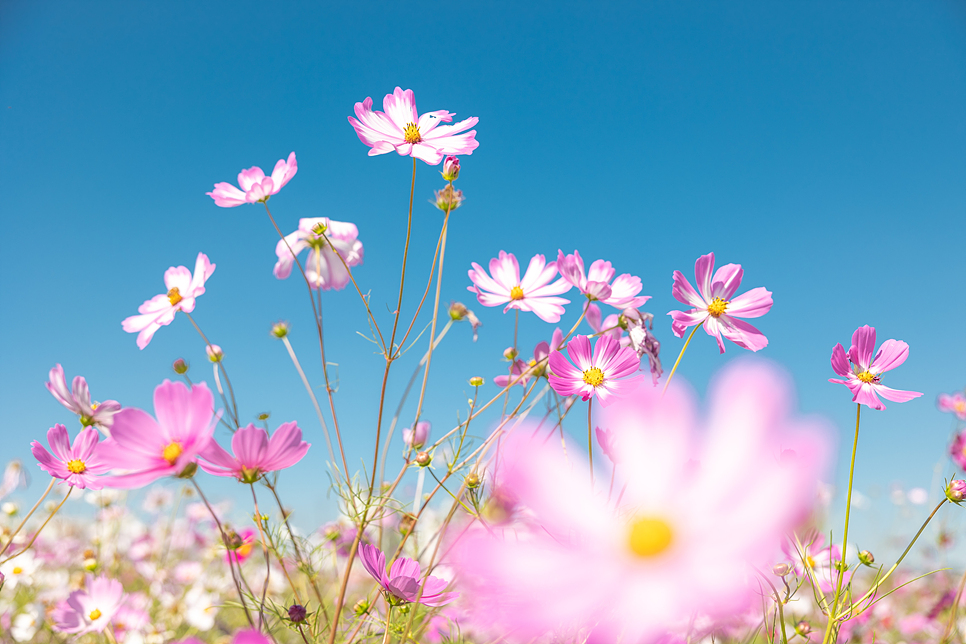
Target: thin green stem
point(432, 333)
point(678, 361)
point(41, 528)
point(385, 637)
point(43, 496)
point(315, 402)
point(590, 439)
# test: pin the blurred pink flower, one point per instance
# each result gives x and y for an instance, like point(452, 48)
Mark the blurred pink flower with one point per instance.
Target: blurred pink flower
point(145, 449)
point(608, 444)
point(418, 438)
point(403, 582)
point(90, 609)
point(595, 284)
point(247, 636)
point(862, 372)
point(244, 550)
point(400, 128)
point(608, 372)
point(817, 563)
point(323, 267)
point(953, 403)
point(255, 186)
point(536, 292)
point(159, 311)
point(716, 309)
point(255, 453)
point(958, 449)
point(78, 464)
point(702, 505)
point(78, 399)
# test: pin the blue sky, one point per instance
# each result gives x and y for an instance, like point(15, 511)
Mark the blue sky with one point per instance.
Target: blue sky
point(818, 144)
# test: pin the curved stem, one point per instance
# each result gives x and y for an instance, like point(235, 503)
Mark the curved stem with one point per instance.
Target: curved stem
point(315, 402)
point(678, 361)
point(268, 561)
point(590, 439)
point(432, 333)
point(40, 529)
point(43, 496)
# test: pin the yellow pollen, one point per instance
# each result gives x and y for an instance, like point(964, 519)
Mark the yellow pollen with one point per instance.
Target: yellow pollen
point(174, 296)
point(17, 570)
point(76, 466)
point(172, 452)
point(717, 307)
point(594, 377)
point(411, 133)
point(960, 406)
point(865, 376)
point(649, 536)
point(516, 293)
point(244, 550)
point(95, 614)
point(94, 406)
point(809, 562)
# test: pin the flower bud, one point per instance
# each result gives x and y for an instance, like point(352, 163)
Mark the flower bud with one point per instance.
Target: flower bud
point(180, 366)
point(418, 437)
point(280, 329)
point(803, 628)
point(510, 353)
point(188, 471)
point(296, 613)
point(361, 607)
point(458, 311)
point(866, 557)
point(319, 228)
point(423, 459)
point(476, 381)
point(9, 508)
point(956, 490)
point(448, 199)
point(451, 168)
point(215, 354)
point(263, 416)
point(89, 564)
point(781, 569)
point(473, 480)
point(406, 523)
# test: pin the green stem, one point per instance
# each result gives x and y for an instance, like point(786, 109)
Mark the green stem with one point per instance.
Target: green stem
point(678, 361)
point(590, 439)
point(40, 529)
point(32, 510)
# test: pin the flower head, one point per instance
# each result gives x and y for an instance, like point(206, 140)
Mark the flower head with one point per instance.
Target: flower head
point(637, 325)
point(215, 354)
point(78, 399)
point(255, 454)
point(78, 464)
point(326, 240)
point(816, 562)
point(535, 292)
point(608, 372)
point(255, 186)
point(715, 306)
point(146, 449)
point(953, 403)
point(448, 199)
point(595, 284)
point(451, 169)
point(862, 371)
point(402, 585)
point(240, 545)
point(417, 438)
point(183, 288)
point(957, 450)
point(400, 128)
point(90, 609)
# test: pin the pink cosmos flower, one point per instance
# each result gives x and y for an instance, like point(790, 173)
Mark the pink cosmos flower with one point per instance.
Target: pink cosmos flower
point(608, 373)
point(716, 308)
point(78, 464)
point(418, 438)
point(535, 367)
point(702, 507)
point(147, 449)
point(400, 128)
point(608, 444)
point(595, 284)
point(862, 372)
point(402, 585)
point(159, 311)
point(323, 268)
point(958, 449)
point(638, 325)
point(536, 292)
point(255, 454)
point(817, 563)
point(91, 609)
point(78, 400)
point(953, 403)
point(255, 186)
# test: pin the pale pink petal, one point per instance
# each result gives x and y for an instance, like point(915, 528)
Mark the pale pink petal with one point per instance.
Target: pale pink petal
point(506, 271)
point(538, 274)
point(864, 394)
point(374, 562)
point(250, 177)
point(286, 257)
point(684, 293)
point(400, 106)
point(753, 304)
point(284, 170)
point(480, 278)
point(178, 277)
point(891, 354)
point(840, 362)
point(726, 281)
point(863, 345)
point(217, 461)
point(580, 352)
point(427, 153)
point(227, 195)
point(593, 316)
point(57, 385)
point(429, 120)
point(614, 389)
point(712, 327)
point(895, 395)
point(684, 319)
point(703, 269)
point(554, 288)
point(84, 444)
point(59, 442)
point(249, 445)
point(742, 333)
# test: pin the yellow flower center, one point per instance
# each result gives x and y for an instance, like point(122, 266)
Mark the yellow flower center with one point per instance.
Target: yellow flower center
point(411, 133)
point(809, 562)
point(649, 536)
point(95, 614)
point(94, 406)
point(865, 376)
point(516, 293)
point(594, 377)
point(174, 296)
point(960, 406)
point(244, 550)
point(172, 452)
point(17, 570)
point(717, 307)
point(76, 466)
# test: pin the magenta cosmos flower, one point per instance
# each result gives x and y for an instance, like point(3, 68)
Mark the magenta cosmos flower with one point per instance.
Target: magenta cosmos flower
point(255, 186)
point(159, 311)
point(716, 308)
point(862, 372)
point(595, 284)
point(79, 464)
point(145, 449)
point(536, 292)
point(400, 128)
point(78, 399)
point(91, 609)
point(255, 454)
point(324, 268)
point(608, 372)
point(402, 584)
point(706, 500)
point(953, 403)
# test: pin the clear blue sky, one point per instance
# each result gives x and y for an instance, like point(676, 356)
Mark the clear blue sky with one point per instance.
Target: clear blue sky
point(819, 144)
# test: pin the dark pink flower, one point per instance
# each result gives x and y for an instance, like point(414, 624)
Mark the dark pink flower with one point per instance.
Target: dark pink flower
point(953, 403)
point(536, 292)
point(862, 372)
point(241, 552)
point(715, 307)
point(596, 284)
point(78, 399)
point(255, 186)
point(609, 372)
point(402, 584)
point(402, 129)
point(91, 609)
point(451, 169)
point(255, 454)
point(79, 464)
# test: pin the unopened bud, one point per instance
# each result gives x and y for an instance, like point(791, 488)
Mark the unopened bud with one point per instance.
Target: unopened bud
point(215, 354)
point(803, 628)
point(458, 311)
point(319, 228)
point(280, 329)
point(473, 480)
point(476, 381)
point(423, 459)
point(510, 353)
point(956, 490)
point(866, 557)
point(781, 569)
point(188, 471)
point(296, 613)
point(180, 366)
point(451, 168)
point(406, 523)
point(448, 199)
point(90, 564)
point(233, 540)
point(361, 607)
point(263, 416)
point(9, 508)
